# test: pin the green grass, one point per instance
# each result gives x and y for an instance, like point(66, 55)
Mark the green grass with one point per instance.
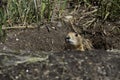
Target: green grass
point(28, 11)
point(109, 9)
point(34, 11)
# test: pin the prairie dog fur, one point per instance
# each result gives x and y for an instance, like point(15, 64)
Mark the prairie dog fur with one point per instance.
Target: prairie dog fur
point(75, 41)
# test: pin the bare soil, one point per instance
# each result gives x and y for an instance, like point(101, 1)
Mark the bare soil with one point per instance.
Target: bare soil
point(50, 37)
point(38, 39)
point(64, 65)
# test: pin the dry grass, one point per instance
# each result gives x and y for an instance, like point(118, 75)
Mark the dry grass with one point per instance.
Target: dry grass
point(34, 11)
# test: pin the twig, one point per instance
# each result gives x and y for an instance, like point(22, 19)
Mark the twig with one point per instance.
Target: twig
point(89, 23)
point(91, 12)
point(72, 26)
point(18, 27)
point(87, 14)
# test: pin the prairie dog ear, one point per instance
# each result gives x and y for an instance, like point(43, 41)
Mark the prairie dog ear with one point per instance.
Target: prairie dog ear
point(76, 34)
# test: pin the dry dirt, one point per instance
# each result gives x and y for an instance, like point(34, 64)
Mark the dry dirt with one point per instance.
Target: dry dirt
point(38, 54)
point(50, 37)
point(65, 65)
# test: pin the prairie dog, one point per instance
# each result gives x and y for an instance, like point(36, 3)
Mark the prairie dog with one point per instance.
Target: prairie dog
point(75, 41)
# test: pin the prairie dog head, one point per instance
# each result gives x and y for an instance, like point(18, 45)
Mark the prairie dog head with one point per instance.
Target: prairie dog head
point(73, 39)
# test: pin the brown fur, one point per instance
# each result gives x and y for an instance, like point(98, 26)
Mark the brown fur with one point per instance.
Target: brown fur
point(75, 41)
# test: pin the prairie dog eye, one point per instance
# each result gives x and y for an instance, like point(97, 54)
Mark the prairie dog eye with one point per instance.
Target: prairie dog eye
point(76, 35)
point(67, 37)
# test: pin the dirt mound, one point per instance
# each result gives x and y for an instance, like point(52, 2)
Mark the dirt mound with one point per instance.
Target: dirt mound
point(67, 65)
point(50, 37)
